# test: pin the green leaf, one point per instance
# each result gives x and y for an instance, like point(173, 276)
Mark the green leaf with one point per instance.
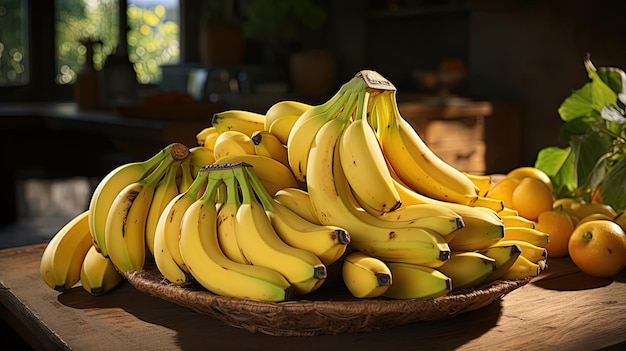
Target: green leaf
point(613, 77)
point(578, 104)
point(578, 126)
point(613, 189)
point(601, 94)
point(558, 164)
point(590, 150)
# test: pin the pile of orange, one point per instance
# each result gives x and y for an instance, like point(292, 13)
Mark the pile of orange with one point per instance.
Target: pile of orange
point(591, 234)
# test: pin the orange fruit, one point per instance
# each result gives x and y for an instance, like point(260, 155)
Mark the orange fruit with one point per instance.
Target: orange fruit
point(621, 220)
point(598, 248)
point(559, 225)
point(585, 209)
point(503, 190)
point(532, 172)
point(594, 217)
point(531, 197)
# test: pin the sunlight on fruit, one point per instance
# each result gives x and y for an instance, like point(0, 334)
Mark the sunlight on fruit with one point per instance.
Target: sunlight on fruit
point(598, 248)
point(503, 190)
point(532, 172)
point(560, 227)
point(531, 197)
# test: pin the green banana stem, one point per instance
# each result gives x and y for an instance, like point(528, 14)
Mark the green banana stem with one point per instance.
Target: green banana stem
point(264, 196)
point(232, 190)
point(247, 193)
point(157, 174)
point(198, 183)
point(215, 180)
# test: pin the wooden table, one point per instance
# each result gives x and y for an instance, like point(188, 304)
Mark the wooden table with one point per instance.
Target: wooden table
point(563, 309)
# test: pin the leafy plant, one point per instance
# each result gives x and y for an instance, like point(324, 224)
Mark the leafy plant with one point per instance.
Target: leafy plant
point(594, 162)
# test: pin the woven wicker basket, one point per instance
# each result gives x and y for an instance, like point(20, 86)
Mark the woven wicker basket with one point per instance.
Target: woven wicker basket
point(324, 312)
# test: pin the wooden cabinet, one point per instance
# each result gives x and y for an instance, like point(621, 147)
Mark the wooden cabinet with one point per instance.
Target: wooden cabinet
point(454, 131)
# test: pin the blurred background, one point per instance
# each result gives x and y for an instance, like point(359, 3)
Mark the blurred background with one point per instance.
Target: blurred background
point(86, 85)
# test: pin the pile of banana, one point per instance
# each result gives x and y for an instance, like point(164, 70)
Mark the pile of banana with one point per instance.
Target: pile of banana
point(267, 205)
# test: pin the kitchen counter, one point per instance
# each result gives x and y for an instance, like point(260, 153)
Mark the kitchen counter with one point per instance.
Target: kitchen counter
point(562, 309)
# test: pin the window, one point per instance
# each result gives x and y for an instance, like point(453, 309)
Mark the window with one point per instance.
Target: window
point(12, 43)
point(32, 32)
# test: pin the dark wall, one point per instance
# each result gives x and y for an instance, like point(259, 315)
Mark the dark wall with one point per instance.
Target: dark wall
point(530, 52)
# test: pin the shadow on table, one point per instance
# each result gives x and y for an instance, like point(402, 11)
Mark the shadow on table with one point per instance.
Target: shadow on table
point(199, 331)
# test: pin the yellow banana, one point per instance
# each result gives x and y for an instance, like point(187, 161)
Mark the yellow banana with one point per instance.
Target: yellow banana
point(331, 200)
point(305, 128)
point(504, 256)
point(482, 182)
point(518, 221)
point(506, 211)
point(165, 191)
point(226, 218)
point(282, 128)
point(212, 269)
point(63, 256)
point(328, 242)
point(167, 254)
point(477, 234)
point(523, 268)
point(200, 156)
point(412, 281)
point(268, 144)
point(365, 276)
point(532, 252)
point(125, 232)
point(246, 122)
point(493, 204)
point(204, 133)
point(298, 201)
point(98, 275)
point(533, 236)
point(273, 174)
point(435, 217)
point(232, 142)
point(414, 162)
point(262, 246)
point(186, 175)
point(364, 164)
point(284, 109)
point(467, 269)
point(112, 183)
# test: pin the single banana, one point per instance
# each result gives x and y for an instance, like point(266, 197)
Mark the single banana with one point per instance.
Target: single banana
point(412, 281)
point(532, 252)
point(330, 196)
point(414, 162)
point(246, 122)
point(64, 254)
point(212, 269)
point(165, 191)
point(506, 211)
point(186, 175)
point(262, 246)
point(98, 275)
point(282, 128)
point(302, 135)
point(283, 109)
point(504, 256)
point(487, 202)
point(125, 232)
point(226, 218)
point(523, 268)
point(365, 276)
point(167, 255)
point(200, 156)
point(477, 234)
point(204, 133)
point(364, 164)
point(482, 182)
point(298, 201)
point(327, 242)
point(467, 269)
point(518, 221)
point(438, 218)
point(233, 142)
point(274, 175)
point(268, 144)
point(533, 236)
point(108, 188)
